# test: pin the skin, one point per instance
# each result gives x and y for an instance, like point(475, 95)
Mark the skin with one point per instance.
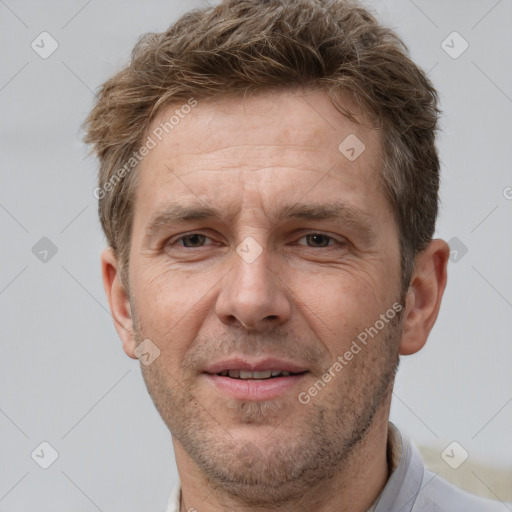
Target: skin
point(304, 299)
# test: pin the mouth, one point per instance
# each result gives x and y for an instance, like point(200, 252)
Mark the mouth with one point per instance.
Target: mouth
point(261, 375)
point(257, 380)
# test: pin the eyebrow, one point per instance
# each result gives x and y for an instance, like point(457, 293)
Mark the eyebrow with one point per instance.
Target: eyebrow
point(349, 215)
point(352, 217)
point(177, 213)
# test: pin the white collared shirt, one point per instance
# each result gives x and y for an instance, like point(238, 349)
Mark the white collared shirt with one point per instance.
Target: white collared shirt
point(410, 488)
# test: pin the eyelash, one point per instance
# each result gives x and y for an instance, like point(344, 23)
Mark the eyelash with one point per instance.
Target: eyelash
point(312, 233)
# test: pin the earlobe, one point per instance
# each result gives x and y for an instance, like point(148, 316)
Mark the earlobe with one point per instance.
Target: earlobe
point(424, 296)
point(119, 301)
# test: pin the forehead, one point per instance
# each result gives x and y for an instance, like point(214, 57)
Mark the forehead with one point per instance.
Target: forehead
point(226, 145)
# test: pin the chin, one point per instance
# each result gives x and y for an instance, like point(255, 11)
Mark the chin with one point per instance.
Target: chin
point(258, 476)
point(258, 413)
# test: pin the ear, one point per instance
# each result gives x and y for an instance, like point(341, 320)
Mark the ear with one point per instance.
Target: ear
point(118, 300)
point(424, 296)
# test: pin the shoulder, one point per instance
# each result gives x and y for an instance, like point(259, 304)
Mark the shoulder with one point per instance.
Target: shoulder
point(438, 495)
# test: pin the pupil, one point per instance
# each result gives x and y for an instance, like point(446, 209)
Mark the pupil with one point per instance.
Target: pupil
point(194, 240)
point(319, 240)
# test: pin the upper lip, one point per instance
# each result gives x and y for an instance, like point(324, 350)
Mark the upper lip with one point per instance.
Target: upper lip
point(254, 365)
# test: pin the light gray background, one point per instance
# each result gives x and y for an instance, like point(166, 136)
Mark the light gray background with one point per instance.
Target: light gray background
point(64, 378)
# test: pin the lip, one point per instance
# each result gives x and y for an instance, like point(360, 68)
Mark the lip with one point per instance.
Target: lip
point(239, 363)
point(254, 389)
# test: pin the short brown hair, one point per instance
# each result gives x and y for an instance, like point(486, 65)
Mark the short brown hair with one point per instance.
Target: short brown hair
point(257, 45)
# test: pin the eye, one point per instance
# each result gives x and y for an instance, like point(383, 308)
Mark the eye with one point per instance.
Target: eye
point(318, 240)
point(191, 240)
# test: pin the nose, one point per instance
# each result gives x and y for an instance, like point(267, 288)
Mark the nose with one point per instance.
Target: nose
point(252, 295)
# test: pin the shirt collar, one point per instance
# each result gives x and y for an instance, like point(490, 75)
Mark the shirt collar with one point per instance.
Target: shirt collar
point(404, 484)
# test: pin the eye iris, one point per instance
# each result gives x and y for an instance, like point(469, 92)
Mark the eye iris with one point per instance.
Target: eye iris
point(318, 240)
point(193, 240)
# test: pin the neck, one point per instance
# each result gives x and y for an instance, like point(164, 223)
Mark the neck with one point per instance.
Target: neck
point(353, 489)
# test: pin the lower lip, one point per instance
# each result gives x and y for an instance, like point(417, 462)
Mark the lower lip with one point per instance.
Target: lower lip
point(255, 389)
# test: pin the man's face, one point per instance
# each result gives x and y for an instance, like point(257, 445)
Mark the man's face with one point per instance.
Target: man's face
point(257, 244)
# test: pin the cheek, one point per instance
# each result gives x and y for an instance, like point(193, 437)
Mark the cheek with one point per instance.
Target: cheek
point(171, 305)
point(339, 305)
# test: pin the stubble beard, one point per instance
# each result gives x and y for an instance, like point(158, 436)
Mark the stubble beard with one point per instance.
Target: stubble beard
point(303, 451)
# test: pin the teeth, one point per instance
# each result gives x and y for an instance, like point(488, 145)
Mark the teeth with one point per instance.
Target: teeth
point(243, 374)
point(262, 375)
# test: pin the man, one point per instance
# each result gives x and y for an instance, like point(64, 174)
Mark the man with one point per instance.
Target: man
point(268, 188)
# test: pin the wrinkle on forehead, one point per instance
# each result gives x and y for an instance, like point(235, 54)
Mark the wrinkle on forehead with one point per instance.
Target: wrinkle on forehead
point(268, 145)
